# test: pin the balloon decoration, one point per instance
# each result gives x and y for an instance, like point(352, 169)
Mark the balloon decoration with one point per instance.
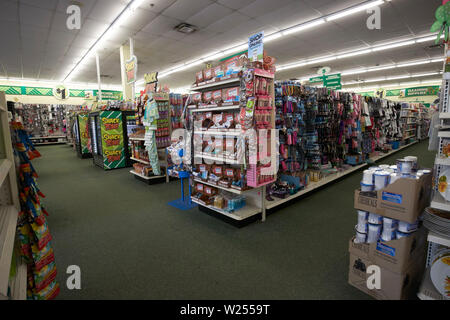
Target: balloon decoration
point(442, 21)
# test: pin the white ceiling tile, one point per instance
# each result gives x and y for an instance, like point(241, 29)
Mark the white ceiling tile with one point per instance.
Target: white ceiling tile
point(330, 6)
point(45, 4)
point(9, 12)
point(235, 4)
point(83, 42)
point(85, 6)
point(227, 22)
point(93, 28)
point(139, 20)
point(35, 16)
point(157, 6)
point(182, 9)
point(261, 7)
point(160, 25)
point(209, 15)
point(106, 10)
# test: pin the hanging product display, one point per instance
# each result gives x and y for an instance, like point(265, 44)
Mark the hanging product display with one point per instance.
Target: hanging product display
point(45, 123)
point(34, 235)
point(177, 102)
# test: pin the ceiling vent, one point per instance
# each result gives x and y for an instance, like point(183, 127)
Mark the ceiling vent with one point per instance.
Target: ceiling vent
point(185, 28)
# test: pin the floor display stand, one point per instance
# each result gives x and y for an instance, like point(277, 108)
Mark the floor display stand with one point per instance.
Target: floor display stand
point(10, 287)
point(141, 168)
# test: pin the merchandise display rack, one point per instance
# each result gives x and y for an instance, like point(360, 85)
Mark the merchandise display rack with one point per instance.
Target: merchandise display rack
point(255, 194)
point(436, 243)
point(163, 136)
point(9, 209)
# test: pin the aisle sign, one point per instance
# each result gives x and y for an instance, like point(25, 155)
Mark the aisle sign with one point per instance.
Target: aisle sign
point(112, 139)
point(61, 92)
point(331, 81)
point(420, 91)
point(256, 47)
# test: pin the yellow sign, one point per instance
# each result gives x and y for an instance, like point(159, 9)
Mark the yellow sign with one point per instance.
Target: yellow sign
point(131, 69)
point(151, 77)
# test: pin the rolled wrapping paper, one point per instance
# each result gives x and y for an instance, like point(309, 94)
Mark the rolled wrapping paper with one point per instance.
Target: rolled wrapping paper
point(406, 227)
point(381, 179)
point(367, 187)
point(393, 167)
point(389, 170)
point(362, 227)
point(424, 171)
point(368, 177)
point(404, 166)
point(375, 218)
point(399, 234)
point(360, 237)
point(394, 177)
point(362, 217)
point(389, 223)
point(414, 161)
point(384, 166)
point(388, 234)
point(374, 233)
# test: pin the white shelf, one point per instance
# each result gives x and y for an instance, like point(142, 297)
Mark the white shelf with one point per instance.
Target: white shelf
point(432, 237)
point(231, 132)
point(222, 188)
point(442, 161)
point(140, 160)
point(444, 134)
point(5, 165)
point(444, 115)
point(145, 177)
point(427, 290)
point(217, 108)
point(8, 222)
point(48, 143)
point(136, 139)
point(217, 159)
point(18, 284)
point(332, 177)
point(239, 215)
point(438, 202)
point(216, 84)
point(312, 186)
point(49, 137)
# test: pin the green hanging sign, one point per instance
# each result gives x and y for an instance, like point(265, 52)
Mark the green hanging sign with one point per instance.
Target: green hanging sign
point(47, 92)
point(420, 91)
point(331, 81)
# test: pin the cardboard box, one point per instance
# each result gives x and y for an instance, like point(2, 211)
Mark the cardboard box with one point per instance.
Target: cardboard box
point(393, 286)
point(395, 255)
point(403, 200)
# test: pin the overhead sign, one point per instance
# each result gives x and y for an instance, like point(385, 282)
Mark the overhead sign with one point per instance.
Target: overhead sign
point(256, 47)
point(151, 81)
point(420, 91)
point(61, 92)
point(332, 81)
point(131, 69)
point(323, 70)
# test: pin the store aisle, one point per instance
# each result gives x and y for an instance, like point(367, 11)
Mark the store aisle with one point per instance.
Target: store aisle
point(130, 244)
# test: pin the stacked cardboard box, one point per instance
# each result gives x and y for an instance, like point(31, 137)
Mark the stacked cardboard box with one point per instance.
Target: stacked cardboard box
point(401, 262)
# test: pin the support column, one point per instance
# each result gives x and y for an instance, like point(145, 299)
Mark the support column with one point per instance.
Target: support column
point(127, 88)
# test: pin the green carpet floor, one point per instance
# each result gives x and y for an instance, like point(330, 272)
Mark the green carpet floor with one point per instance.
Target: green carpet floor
point(130, 244)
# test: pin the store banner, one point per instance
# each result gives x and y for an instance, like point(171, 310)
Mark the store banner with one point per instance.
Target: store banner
point(131, 69)
point(84, 132)
point(62, 95)
point(393, 93)
point(256, 47)
point(112, 139)
point(420, 91)
point(331, 81)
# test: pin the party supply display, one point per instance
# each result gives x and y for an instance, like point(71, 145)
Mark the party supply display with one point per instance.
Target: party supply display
point(34, 235)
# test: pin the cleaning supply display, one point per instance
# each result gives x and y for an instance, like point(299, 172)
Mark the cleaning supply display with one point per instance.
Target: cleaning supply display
point(34, 235)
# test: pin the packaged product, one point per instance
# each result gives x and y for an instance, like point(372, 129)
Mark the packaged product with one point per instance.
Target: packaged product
point(218, 71)
point(231, 95)
point(207, 74)
point(44, 276)
point(197, 97)
point(47, 293)
point(217, 96)
point(199, 77)
point(207, 97)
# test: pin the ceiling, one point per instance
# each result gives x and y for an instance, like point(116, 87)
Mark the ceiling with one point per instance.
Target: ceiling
point(39, 45)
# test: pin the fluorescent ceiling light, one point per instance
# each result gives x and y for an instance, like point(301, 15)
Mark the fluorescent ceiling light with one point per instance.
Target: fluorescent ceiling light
point(304, 26)
point(272, 36)
point(393, 45)
point(354, 10)
point(352, 54)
